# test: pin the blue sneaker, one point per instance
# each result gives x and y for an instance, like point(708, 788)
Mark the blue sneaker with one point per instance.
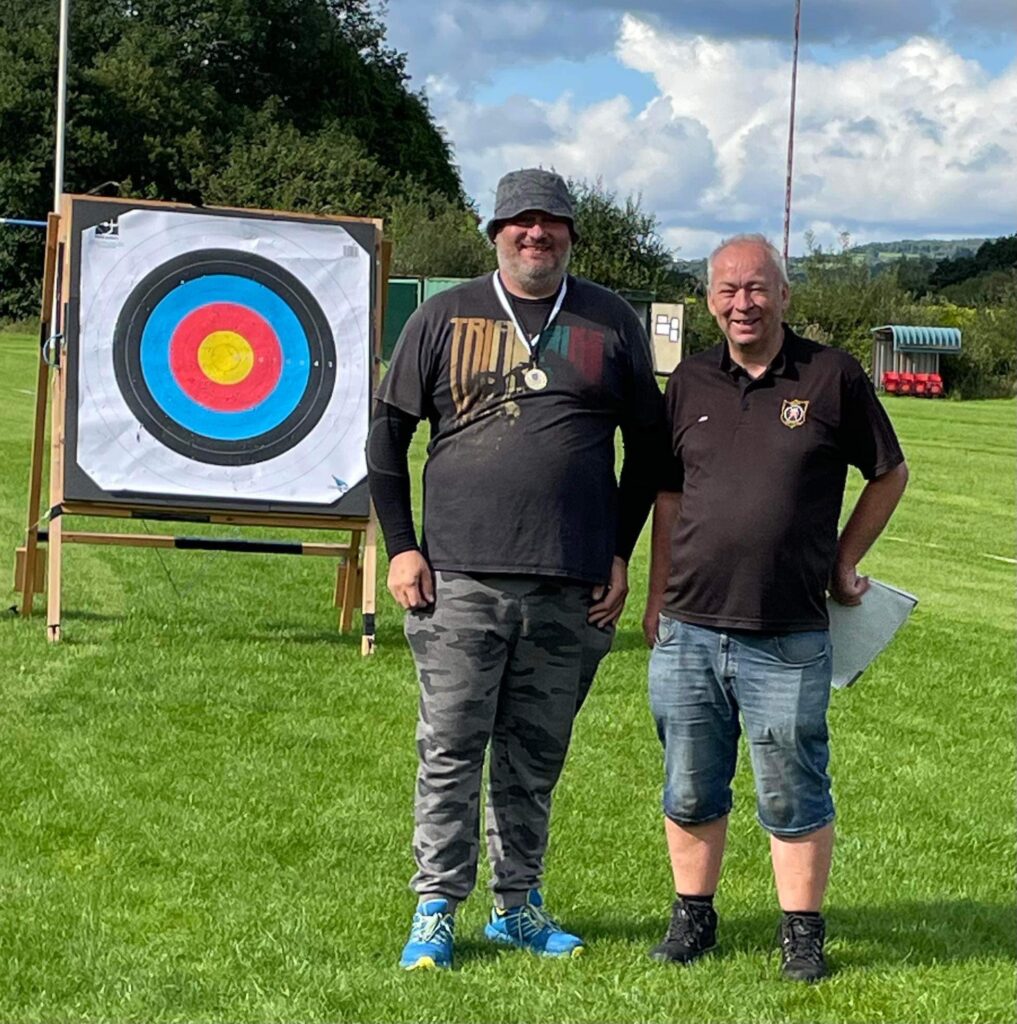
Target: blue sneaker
point(430, 942)
point(531, 927)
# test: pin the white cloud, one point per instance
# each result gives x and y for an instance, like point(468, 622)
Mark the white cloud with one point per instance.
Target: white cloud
point(916, 142)
point(474, 40)
point(470, 41)
point(692, 243)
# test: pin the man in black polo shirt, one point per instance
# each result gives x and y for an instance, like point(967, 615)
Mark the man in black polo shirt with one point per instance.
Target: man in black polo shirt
point(524, 375)
point(745, 547)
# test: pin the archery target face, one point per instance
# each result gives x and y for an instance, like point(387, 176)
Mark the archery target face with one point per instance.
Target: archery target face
point(223, 357)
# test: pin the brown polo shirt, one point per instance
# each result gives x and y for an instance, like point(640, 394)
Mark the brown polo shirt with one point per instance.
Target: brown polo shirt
point(761, 466)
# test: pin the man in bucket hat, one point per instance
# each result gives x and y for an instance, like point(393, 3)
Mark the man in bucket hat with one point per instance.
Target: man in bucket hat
point(513, 589)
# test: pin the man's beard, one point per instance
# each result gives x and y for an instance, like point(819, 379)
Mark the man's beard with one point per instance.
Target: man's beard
point(537, 278)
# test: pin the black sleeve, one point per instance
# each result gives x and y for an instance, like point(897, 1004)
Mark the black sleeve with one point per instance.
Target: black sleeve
point(388, 475)
point(867, 434)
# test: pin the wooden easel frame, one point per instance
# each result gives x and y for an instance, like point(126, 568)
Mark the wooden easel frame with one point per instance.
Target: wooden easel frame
point(356, 575)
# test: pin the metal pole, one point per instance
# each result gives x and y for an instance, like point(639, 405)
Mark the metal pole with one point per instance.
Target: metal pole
point(17, 222)
point(791, 130)
point(61, 115)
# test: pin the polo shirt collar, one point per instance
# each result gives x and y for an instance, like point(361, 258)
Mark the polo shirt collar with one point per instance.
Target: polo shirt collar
point(783, 364)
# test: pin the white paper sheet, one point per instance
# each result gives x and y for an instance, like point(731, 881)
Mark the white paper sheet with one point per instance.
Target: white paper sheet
point(859, 633)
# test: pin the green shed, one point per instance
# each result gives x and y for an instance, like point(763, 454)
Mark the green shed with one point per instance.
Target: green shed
point(404, 295)
point(436, 285)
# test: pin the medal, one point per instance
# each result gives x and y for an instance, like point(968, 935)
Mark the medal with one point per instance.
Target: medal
point(535, 378)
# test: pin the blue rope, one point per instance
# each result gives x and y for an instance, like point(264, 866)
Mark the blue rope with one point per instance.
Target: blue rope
point(15, 222)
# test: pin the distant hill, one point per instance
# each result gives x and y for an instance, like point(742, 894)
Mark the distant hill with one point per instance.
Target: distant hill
point(875, 254)
point(927, 248)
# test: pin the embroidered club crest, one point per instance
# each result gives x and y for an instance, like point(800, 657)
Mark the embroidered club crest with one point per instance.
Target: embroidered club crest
point(792, 412)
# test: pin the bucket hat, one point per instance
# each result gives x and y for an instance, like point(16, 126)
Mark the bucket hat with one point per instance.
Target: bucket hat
point(532, 189)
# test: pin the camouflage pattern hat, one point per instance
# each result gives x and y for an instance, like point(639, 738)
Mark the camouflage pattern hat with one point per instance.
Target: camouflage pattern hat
point(532, 189)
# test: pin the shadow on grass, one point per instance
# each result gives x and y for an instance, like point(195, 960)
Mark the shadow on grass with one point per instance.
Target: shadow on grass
point(293, 632)
point(641, 931)
point(70, 615)
point(471, 950)
point(922, 933)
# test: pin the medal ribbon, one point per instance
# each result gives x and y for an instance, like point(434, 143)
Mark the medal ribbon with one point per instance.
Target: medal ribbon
point(533, 344)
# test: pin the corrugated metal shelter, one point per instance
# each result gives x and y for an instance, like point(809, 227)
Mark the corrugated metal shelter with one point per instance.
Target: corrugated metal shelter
point(902, 349)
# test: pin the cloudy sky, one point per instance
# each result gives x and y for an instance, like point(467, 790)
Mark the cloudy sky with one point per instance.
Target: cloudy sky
point(905, 123)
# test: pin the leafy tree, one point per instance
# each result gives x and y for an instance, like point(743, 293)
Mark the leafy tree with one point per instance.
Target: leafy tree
point(840, 300)
point(913, 275)
point(234, 101)
point(701, 330)
point(436, 238)
point(620, 247)
point(986, 366)
point(992, 255)
point(275, 166)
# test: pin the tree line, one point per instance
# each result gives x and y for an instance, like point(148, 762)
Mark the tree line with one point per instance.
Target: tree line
point(302, 105)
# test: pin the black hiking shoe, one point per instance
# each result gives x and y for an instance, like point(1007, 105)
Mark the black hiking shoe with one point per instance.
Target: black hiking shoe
point(691, 933)
point(801, 947)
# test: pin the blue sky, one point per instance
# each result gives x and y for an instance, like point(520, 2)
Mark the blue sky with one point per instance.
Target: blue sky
point(905, 120)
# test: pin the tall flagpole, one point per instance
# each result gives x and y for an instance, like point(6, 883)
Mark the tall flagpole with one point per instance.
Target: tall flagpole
point(791, 130)
point(61, 113)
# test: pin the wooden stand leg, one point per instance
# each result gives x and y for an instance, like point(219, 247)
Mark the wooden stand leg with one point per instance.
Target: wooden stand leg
point(28, 579)
point(35, 491)
point(349, 595)
point(54, 552)
point(368, 583)
point(54, 543)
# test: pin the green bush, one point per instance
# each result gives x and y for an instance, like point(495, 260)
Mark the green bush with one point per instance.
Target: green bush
point(987, 364)
point(840, 301)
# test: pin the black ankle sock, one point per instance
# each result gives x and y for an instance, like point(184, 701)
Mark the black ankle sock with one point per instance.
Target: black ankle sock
point(706, 901)
point(802, 913)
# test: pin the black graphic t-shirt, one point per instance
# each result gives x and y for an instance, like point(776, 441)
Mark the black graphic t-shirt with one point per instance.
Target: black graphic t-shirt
point(521, 480)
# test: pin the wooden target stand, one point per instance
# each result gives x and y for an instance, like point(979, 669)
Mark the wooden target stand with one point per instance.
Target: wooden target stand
point(356, 575)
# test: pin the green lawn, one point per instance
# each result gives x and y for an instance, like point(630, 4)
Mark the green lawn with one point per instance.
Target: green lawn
point(207, 793)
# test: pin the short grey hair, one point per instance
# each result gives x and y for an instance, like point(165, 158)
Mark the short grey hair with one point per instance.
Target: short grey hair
point(753, 238)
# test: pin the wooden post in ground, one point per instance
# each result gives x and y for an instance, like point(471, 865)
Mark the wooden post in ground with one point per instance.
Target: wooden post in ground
point(54, 545)
point(369, 582)
point(31, 553)
point(349, 583)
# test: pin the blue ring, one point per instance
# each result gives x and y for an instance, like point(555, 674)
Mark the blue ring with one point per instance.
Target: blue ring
point(275, 407)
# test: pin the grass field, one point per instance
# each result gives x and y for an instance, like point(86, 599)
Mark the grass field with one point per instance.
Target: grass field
point(207, 793)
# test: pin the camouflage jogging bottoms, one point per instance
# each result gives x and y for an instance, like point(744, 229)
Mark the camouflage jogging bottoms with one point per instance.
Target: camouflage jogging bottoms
point(503, 661)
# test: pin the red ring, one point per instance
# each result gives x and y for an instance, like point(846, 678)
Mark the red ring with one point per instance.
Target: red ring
point(187, 371)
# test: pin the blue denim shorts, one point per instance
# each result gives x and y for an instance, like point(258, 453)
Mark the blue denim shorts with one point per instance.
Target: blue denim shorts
point(700, 679)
